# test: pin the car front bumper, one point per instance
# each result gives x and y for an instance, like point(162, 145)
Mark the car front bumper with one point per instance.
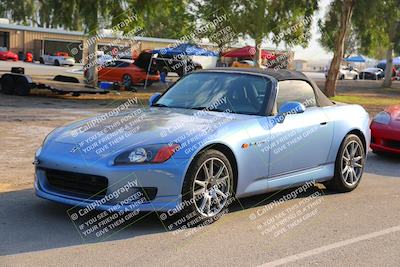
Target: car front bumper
point(67, 62)
point(167, 178)
point(385, 138)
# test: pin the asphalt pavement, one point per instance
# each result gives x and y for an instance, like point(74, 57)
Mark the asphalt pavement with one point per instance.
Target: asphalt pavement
point(351, 229)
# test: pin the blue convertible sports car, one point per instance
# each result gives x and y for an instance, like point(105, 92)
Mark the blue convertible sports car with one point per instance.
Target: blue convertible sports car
point(212, 135)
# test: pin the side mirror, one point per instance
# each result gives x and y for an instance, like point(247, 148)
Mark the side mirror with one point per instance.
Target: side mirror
point(290, 107)
point(153, 99)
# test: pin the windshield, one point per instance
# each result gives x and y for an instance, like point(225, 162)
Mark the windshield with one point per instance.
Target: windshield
point(229, 92)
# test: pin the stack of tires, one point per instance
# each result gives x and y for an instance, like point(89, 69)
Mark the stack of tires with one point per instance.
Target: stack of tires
point(15, 84)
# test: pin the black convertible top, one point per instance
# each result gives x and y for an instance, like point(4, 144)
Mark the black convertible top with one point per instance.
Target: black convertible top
point(281, 75)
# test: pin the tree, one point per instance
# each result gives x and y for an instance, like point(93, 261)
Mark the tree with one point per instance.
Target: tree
point(163, 19)
point(345, 19)
point(43, 13)
point(168, 18)
point(214, 17)
point(378, 24)
point(280, 21)
point(329, 28)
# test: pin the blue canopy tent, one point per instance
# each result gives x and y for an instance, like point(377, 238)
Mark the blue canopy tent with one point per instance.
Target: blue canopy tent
point(356, 59)
point(382, 63)
point(185, 50)
point(396, 61)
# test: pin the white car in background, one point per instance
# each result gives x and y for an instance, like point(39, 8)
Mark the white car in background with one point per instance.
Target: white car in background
point(58, 59)
point(345, 72)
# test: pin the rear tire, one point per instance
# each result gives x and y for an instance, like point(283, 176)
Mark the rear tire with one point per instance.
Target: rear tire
point(56, 63)
point(41, 60)
point(349, 165)
point(207, 190)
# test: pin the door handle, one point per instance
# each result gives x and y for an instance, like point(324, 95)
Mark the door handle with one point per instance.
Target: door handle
point(324, 123)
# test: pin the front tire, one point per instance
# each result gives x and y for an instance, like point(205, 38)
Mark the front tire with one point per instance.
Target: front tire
point(208, 185)
point(349, 165)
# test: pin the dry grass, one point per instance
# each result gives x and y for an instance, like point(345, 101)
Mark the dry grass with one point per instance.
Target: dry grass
point(373, 101)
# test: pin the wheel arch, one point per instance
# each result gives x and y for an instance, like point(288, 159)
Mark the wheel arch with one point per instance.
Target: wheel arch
point(360, 135)
point(128, 74)
point(227, 151)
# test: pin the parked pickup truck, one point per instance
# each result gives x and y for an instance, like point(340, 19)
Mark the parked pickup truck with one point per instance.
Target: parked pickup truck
point(58, 59)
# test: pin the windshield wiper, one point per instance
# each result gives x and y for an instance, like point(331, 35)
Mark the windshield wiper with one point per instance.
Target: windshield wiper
point(223, 110)
point(160, 105)
point(208, 109)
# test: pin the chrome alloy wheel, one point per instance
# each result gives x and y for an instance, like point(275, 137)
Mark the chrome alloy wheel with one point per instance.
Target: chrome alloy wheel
point(352, 163)
point(211, 187)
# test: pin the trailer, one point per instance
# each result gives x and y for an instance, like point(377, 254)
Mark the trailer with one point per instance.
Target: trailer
point(17, 82)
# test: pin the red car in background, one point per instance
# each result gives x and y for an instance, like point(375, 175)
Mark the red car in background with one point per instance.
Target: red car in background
point(385, 131)
point(5, 54)
point(128, 72)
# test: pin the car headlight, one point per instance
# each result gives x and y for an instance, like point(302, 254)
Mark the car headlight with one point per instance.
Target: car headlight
point(147, 154)
point(382, 117)
point(37, 154)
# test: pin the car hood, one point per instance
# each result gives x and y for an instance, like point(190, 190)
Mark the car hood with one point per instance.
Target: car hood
point(372, 71)
point(8, 53)
point(110, 134)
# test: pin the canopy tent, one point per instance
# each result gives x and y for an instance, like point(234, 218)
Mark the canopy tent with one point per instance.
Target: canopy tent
point(357, 59)
point(248, 52)
point(396, 61)
point(186, 50)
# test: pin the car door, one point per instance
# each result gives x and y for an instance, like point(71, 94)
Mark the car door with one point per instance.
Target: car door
point(51, 59)
point(303, 140)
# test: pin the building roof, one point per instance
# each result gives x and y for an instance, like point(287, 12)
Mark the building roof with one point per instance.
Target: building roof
point(38, 29)
point(80, 33)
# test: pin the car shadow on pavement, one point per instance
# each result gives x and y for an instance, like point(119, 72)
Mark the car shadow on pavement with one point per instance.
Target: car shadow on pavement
point(383, 165)
point(275, 197)
point(29, 223)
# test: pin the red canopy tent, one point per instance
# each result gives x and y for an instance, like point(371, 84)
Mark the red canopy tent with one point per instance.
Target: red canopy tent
point(248, 52)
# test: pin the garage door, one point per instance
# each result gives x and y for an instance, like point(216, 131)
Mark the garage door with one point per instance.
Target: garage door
point(4, 39)
point(71, 47)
